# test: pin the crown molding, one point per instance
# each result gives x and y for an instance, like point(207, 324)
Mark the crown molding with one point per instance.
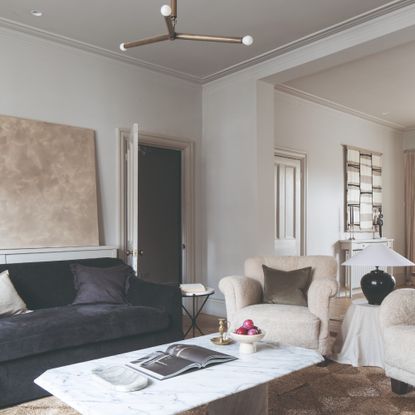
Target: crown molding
point(63, 40)
point(339, 107)
point(312, 38)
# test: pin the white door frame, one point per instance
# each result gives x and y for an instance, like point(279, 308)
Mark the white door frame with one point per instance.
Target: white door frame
point(302, 157)
point(186, 147)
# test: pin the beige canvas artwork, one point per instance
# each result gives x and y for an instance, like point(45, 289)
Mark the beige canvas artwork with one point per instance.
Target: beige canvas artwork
point(48, 193)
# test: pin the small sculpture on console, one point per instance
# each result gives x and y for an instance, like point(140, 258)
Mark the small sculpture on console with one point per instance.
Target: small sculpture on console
point(379, 221)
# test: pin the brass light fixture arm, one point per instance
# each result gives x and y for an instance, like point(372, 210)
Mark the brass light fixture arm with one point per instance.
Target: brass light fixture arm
point(170, 27)
point(173, 5)
point(170, 20)
point(208, 38)
point(146, 41)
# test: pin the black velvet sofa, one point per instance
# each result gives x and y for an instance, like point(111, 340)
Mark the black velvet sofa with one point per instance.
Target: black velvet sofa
point(57, 333)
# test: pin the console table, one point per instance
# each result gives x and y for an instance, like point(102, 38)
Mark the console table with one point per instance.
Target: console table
point(350, 276)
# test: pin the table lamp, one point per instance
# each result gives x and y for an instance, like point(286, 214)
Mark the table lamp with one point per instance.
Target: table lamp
point(377, 284)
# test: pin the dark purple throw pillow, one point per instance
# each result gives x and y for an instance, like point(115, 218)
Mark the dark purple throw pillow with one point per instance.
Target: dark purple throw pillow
point(101, 285)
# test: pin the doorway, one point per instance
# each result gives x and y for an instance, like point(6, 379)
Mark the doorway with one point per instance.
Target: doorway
point(156, 206)
point(159, 214)
point(290, 207)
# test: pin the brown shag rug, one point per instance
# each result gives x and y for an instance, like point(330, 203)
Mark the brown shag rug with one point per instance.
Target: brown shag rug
point(334, 389)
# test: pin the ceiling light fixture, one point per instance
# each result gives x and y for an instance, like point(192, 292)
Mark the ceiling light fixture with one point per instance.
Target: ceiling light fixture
point(170, 15)
point(36, 13)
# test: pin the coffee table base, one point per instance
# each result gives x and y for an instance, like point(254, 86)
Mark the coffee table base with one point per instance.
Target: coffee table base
point(252, 401)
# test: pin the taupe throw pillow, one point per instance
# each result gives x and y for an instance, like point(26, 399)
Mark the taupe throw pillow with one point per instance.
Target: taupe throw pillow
point(286, 287)
point(10, 301)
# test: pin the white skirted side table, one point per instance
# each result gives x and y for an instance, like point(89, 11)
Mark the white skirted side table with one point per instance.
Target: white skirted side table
point(360, 341)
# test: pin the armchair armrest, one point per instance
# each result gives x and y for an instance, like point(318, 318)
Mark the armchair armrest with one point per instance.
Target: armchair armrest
point(319, 295)
point(398, 308)
point(239, 292)
point(166, 297)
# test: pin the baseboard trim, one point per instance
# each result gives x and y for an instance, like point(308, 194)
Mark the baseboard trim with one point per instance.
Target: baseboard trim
point(215, 307)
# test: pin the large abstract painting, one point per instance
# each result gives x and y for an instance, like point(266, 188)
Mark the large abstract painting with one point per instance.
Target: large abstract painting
point(48, 193)
point(363, 170)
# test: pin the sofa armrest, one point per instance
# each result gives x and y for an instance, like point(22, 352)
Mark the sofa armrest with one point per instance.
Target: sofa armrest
point(398, 308)
point(319, 295)
point(166, 297)
point(239, 292)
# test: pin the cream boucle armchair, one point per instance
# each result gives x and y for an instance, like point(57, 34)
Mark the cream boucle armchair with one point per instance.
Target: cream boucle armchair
point(397, 319)
point(296, 325)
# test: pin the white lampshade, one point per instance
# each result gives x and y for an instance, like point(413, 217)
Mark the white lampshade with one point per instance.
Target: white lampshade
point(378, 255)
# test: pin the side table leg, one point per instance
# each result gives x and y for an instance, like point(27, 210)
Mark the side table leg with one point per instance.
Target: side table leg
point(193, 316)
point(195, 313)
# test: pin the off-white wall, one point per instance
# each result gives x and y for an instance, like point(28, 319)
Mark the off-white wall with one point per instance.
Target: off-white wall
point(237, 178)
point(46, 81)
point(237, 156)
point(320, 132)
point(409, 140)
point(228, 182)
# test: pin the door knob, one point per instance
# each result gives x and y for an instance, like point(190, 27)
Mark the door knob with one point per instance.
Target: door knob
point(134, 252)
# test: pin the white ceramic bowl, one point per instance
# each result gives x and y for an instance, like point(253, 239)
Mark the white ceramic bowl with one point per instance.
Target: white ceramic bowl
point(247, 343)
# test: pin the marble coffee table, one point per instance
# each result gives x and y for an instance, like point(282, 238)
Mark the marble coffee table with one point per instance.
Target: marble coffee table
point(237, 387)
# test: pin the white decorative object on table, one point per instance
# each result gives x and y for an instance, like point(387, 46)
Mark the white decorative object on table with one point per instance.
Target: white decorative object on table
point(247, 343)
point(120, 378)
point(237, 387)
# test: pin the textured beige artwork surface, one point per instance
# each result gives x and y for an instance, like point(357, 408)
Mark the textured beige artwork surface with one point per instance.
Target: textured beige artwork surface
point(48, 194)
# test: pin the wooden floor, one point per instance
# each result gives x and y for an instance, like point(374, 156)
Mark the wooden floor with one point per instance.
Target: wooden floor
point(207, 323)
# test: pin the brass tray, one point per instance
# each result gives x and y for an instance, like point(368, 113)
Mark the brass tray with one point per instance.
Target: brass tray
point(225, 342)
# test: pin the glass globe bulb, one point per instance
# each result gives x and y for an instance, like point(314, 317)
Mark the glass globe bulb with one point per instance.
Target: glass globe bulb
point(122, 47)
point(165, 10)
point(247, 40)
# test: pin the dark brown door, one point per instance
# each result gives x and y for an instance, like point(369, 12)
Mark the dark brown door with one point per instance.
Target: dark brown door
point(160, 214)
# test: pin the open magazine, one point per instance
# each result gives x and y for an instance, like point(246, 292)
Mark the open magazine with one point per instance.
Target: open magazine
point(178, 358)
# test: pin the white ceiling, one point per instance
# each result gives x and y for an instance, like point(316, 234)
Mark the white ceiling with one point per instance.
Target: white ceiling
point(381, 86)
point(105, 24)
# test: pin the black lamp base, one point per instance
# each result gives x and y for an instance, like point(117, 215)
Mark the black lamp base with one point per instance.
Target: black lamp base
point(376, 285)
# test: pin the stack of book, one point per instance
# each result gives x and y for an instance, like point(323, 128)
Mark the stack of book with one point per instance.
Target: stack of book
point(192, 288)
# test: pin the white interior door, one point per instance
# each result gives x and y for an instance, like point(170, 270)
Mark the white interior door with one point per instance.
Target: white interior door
point(131, 199)
point(288, 206)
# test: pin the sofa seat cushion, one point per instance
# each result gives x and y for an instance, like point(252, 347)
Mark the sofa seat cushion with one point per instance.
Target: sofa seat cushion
point(294, 325)
point(62, 327)
point(399, 344)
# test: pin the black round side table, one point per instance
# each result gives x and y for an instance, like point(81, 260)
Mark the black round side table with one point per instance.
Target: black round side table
point(195, 312)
